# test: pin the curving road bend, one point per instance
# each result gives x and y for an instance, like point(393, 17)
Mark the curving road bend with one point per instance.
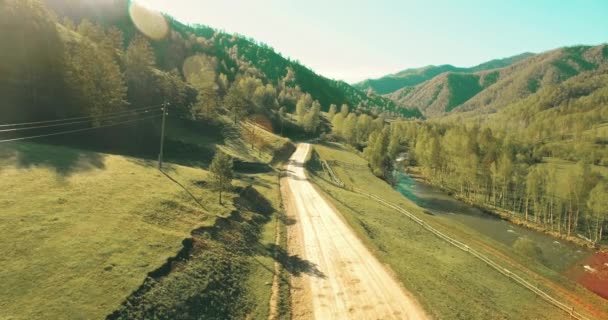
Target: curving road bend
point(340, 278)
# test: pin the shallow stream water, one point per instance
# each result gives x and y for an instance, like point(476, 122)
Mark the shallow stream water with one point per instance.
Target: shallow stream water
point(555, 253)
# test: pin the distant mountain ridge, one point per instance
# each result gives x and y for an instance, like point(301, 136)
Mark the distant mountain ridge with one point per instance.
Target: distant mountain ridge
point(412, 77)
point(444, 92)
point(490, 90)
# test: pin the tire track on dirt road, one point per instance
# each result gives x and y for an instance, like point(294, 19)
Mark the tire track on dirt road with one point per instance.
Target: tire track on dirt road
point(338, 277)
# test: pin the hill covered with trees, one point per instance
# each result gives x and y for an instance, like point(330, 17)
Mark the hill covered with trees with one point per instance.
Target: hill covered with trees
point(74, 58)
point(412, 77)
point(444, 92)
point(490, 91)
point(527, 141)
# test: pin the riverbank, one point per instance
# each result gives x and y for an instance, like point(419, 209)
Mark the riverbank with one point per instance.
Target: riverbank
point(589, 269)
point(449, 283)
point(512, 217)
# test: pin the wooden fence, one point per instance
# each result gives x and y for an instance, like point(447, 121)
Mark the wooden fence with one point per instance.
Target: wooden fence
point(506, 272)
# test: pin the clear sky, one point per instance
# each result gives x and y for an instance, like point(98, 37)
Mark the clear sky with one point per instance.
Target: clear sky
point(358, 39)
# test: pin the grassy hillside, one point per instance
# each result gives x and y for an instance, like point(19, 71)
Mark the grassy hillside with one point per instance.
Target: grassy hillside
point(78, 237)
point(412, 77)
point(84, 230)
point(449, 283)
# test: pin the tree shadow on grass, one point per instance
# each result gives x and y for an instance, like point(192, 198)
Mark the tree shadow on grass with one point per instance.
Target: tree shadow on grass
point(287, 220)
point(251, 167)
point(294, 264)
point(333, 145)
point(296, 177)
point(295, 163)
point(63, 160)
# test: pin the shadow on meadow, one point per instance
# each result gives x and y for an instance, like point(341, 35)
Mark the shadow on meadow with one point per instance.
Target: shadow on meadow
point(64, 161)
point(294, 264)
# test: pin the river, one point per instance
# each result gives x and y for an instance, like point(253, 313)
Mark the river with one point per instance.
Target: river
point(558, 255)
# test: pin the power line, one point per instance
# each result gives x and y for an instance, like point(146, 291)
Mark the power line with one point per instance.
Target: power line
point(78, 130)
point(103, 118)
point(77, 118)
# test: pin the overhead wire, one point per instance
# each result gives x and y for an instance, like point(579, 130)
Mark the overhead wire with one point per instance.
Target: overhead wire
point(100, 118)
point(79, 130)
point(77, 118)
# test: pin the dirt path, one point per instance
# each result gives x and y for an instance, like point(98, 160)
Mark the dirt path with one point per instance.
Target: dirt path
point(339, 277)
point(274, 296)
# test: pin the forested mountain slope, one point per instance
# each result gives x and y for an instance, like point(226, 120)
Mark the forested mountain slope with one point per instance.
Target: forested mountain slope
point(415, 76)
point(444, 92)
point(489, 91)
point(567, 120)
point(85, 88)
point(522, 79)
point(232, 55)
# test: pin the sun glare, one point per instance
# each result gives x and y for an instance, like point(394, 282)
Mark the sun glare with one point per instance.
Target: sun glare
point(148, 20)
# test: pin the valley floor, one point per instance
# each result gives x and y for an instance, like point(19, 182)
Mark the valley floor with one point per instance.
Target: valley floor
point(449, 283)
point(340, 278)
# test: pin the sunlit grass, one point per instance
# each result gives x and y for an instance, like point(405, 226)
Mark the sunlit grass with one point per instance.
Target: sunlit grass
point(77, 240)
point(81, 230)
point(449, 283)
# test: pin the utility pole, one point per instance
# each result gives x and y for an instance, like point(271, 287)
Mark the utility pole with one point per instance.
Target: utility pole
point(162, 136)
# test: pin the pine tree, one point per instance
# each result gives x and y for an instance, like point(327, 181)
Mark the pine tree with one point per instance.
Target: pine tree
point(349, 128)
point(93, 32)
point(364, 126)
point(302, 107)
point(265, 98)
point(394, 143)
point(114, 40)
point(337, 122)
point(248, 85)
point(139, 59)
point(200, 73)
point(597, 204)
point(222, 170)
point(94, 79)
point(376, 152)
point(31, 63)
point(236, 103)
point(312, 118)
point(344, 110)
point(333, 109)
point(175, 91)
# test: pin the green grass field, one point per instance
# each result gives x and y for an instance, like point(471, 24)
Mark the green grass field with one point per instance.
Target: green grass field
point(81, 230)
point(449, 283)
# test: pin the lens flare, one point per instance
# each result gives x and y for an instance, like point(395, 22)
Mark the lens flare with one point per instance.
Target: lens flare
point(150, 22)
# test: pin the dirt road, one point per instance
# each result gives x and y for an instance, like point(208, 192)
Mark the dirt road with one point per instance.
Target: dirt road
point(339, 277)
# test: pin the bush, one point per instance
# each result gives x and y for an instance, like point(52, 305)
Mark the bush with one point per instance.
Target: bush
point(528, 248)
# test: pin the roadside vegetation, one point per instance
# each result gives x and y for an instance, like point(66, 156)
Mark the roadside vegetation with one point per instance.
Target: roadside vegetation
point(95, 223)
point(86, 224)
point(444, 278)
point(516, 161)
